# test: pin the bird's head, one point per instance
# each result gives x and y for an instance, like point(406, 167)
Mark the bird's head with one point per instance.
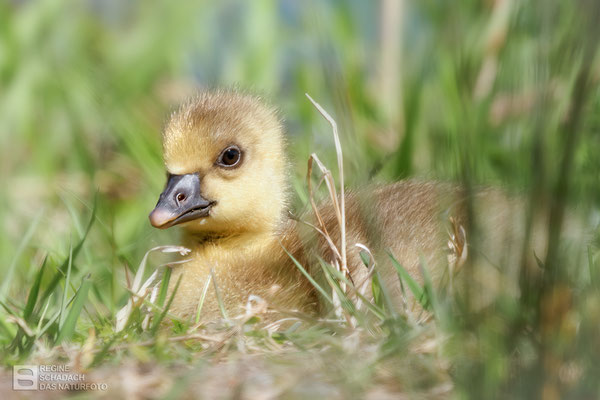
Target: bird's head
point(225, 159)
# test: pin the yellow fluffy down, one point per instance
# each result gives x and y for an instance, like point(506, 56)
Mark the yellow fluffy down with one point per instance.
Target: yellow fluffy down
point(240, 245)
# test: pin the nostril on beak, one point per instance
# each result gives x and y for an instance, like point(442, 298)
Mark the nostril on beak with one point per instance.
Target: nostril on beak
point(180, 197)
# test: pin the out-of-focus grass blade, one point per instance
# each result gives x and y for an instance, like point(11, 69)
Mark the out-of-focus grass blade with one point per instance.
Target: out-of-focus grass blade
point(347, 304)
point(162, 294)
point(7, 308)
point(62, 269)
point(158, 320)
point(43, 314)
point(76, 221)
point(594, 279)
point(33, 293)
point(539, 262)
point(22, 245)
point(104, 351)
point(67, 281)
point(403, 275)
point(164, 286)
point(429, 298)
point(9, 329)
point(364, 257)
point(49, 324)
point(201, 301)
point(68, 327)
point(403, 158)
point(218, 295)
point(381, 295)
point(377, 311)
point(377, 292)
point(307, 275)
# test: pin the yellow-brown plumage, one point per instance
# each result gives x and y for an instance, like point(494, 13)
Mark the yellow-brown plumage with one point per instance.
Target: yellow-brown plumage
point(245, 226)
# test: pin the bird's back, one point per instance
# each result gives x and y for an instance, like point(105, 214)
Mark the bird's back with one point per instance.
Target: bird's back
point(432, 225)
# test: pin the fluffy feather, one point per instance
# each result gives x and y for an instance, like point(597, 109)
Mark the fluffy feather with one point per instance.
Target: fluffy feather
point(242, 239)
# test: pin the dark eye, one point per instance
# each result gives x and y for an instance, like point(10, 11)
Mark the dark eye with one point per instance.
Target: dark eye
point(230, 157)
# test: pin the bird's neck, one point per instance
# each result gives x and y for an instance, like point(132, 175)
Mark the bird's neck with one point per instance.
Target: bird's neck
point(240, 265)
point(229, 240)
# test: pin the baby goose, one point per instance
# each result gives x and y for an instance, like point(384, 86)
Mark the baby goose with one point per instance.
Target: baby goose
point(227, 187)
point(224, 154)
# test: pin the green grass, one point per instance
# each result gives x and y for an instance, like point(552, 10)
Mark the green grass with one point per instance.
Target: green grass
point(505, 95)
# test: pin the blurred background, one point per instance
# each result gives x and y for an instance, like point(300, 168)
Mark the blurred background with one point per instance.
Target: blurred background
point(494, 92)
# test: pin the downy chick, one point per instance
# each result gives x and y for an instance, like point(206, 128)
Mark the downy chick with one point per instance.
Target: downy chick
point(227, 187)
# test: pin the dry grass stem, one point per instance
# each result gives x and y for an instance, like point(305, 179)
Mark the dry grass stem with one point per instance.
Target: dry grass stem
point(340, 260)
point(139, 291)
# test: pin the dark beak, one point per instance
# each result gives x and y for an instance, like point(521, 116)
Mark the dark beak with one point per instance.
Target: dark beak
point(180, 202)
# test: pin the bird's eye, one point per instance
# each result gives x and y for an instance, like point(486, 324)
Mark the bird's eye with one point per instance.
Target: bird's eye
point(230, 157)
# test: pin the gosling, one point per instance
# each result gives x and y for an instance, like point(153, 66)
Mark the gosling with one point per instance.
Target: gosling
point(227, 188)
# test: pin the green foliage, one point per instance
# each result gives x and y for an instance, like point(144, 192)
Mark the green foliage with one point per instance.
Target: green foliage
point(414, 287)
point(67, 328)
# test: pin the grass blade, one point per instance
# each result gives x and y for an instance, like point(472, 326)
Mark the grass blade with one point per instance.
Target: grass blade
point(22, 245)
point(33, 293)
point(307, 275)
point(404, 276)
point(62, 269)
point(166, 309)
point(67, 281)
point(384, 299)
point(594, 279)
point(68, 327)
point(201, 301)
point(376, 310)
point(429, 297)
point(103, 351)
point(164, 286)
point(218, 294)
point(346, 302)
